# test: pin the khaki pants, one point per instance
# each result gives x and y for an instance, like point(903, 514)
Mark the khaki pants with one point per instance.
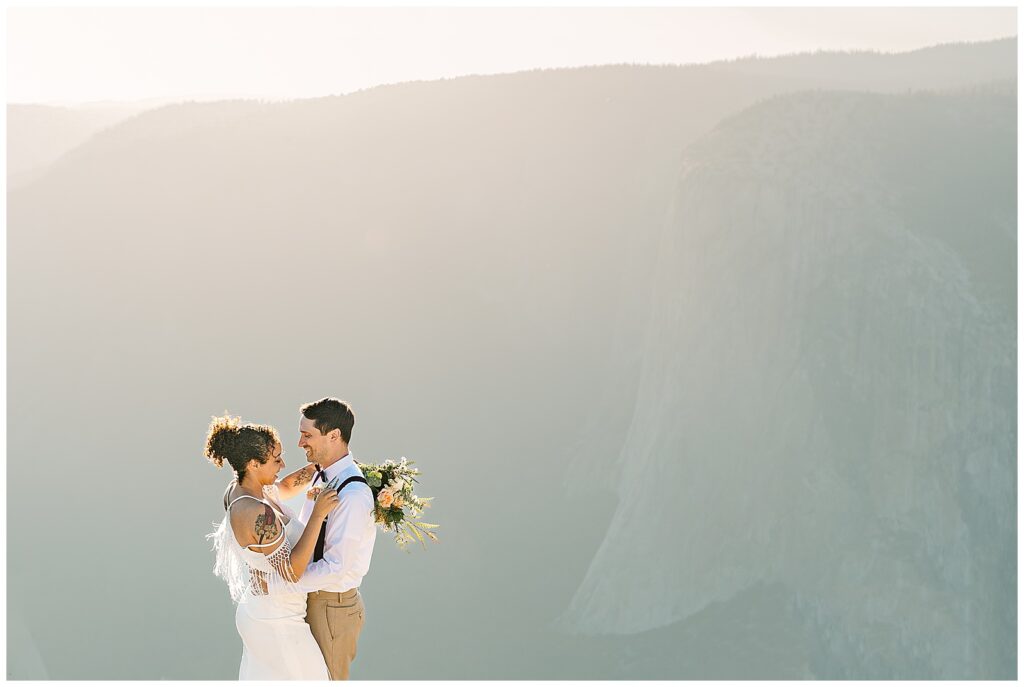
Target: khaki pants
point(336, 620)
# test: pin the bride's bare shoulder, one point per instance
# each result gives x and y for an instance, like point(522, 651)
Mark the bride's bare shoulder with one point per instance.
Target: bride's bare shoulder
point(254, 521)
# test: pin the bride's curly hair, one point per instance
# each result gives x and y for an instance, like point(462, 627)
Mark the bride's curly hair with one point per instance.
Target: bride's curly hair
point(230, 440)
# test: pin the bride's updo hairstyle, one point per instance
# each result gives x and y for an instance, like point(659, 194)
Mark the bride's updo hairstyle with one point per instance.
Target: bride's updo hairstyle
point(229, 440)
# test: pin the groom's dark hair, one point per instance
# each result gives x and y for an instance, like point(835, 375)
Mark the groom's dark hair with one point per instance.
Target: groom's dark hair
point(329, 414)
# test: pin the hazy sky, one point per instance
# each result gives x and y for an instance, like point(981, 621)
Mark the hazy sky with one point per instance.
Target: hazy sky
point(88, 54)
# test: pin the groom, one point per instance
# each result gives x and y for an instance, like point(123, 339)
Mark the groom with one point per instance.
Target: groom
point(334, 608)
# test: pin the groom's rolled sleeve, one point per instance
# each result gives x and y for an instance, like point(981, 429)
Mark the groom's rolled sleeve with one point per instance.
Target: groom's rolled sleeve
point(348, 545)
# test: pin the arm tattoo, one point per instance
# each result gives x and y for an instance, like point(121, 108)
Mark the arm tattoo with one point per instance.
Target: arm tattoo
point(266, 525)
point(302, 476)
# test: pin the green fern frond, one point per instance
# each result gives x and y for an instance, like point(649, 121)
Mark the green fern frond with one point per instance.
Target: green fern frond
point(416, 533)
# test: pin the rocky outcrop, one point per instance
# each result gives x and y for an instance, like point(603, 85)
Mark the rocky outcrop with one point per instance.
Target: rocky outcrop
point(827, 399)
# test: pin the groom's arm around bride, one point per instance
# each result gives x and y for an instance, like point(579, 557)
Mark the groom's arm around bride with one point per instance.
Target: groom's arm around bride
point(295, 483)
point(334, 607)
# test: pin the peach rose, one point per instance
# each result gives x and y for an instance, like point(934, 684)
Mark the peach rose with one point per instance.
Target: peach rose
point(385, 498)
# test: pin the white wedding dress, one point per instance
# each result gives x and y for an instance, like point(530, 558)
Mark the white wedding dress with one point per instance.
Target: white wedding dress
point(276, 641)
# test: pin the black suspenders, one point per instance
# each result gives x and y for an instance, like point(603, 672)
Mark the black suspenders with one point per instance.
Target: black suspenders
point(318, 550)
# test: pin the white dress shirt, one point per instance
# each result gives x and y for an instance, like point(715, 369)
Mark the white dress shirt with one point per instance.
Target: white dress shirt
point(351, 532)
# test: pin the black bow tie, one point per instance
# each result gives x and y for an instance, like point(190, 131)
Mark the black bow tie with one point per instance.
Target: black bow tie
point(320, 474)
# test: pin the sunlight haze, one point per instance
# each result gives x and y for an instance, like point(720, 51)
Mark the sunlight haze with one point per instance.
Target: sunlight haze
point(701, 325)
point(78, 55)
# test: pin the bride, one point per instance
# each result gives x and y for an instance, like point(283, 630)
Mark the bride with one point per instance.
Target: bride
point(262, 551)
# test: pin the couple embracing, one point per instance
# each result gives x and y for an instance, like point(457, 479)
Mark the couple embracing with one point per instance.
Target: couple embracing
point(295, 577)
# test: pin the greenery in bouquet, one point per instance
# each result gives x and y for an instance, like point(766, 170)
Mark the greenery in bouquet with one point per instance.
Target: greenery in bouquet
point(396, 507)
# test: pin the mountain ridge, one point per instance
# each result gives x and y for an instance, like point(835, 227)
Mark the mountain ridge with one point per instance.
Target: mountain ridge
point(981, 55)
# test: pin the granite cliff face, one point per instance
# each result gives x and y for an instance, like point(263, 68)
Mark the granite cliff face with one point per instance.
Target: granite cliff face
point(827, 400)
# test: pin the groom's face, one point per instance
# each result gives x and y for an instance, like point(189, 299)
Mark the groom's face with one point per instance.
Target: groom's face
point(312, 441)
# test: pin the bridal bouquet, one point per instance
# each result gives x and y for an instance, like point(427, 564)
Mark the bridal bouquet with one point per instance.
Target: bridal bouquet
point(396, 508)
